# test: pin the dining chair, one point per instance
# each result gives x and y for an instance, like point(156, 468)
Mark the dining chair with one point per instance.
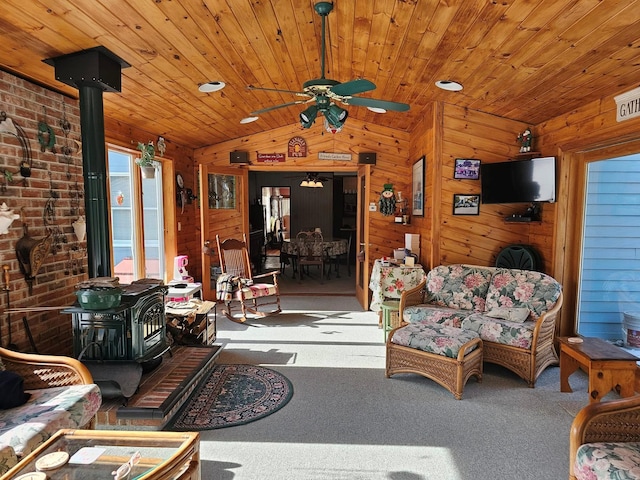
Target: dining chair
point(237, 283)
point(336, 259)
point(311, 251)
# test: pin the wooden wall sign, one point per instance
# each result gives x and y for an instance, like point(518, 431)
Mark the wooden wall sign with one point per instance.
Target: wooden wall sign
point(334, 156)
point(297, 147)
point(270, 157)
point(628, 105)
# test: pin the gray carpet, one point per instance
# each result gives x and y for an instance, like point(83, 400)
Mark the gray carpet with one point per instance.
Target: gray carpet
point(347, 421)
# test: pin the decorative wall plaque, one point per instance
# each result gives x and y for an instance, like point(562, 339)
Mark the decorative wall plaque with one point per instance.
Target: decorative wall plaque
point(297, 147)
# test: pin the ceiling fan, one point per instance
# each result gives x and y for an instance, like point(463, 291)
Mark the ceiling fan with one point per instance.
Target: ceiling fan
point(326, 92)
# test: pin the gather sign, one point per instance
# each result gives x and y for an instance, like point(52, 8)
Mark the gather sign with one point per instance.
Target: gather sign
point(628, 105)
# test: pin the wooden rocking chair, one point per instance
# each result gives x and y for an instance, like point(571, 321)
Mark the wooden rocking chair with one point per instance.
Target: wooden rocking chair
point(236, 282)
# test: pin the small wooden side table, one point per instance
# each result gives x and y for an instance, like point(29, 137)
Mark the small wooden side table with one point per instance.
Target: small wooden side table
point(609, 367)
point(390, 316)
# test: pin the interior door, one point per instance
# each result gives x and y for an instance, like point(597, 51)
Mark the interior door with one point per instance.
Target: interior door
point(224, 212)
point(362, 238)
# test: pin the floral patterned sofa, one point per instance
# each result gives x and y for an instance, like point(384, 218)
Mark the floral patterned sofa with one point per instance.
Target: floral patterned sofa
point(604, 442)
point(63, 395)
point(513, 311)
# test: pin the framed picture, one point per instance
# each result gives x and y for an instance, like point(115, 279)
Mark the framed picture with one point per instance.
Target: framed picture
point(417, 200)
point(466, 204)
point(222, 191)
point(467, 169)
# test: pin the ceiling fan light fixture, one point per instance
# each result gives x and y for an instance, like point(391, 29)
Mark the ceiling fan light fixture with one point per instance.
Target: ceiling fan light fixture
point(308, 116)
point(335, 115)
point(305, 183)
point(213, 86)
point(449, 85)
point(377, 109)
point(249, 119)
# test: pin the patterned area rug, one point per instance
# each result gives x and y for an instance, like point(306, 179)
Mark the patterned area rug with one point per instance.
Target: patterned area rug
point(233, 395)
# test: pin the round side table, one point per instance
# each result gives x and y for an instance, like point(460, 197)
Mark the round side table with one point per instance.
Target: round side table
point(390, 316)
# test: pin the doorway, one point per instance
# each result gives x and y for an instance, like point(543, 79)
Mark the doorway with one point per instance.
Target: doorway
point(276, 206)
point(286, 207)
point(609, 282)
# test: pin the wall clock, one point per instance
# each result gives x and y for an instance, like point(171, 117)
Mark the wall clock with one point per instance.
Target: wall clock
point(180, 180)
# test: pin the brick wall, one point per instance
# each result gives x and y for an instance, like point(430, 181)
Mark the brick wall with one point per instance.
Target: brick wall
point(49, 201)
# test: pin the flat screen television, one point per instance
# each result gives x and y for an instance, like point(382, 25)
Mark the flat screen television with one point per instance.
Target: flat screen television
point(519, 181)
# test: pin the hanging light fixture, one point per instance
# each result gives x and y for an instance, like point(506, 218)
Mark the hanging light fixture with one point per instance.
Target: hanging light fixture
point(312, 180)
point(335, 115)
point(308, 116)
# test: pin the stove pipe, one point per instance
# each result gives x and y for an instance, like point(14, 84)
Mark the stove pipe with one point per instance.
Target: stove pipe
point(93, 72)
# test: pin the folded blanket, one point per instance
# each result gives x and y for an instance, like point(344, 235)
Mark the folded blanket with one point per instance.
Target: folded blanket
point(225, 286)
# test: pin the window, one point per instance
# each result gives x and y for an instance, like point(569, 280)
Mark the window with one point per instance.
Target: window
point(137, 219)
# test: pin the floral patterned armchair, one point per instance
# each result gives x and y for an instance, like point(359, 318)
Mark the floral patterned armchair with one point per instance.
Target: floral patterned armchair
point(604, 442)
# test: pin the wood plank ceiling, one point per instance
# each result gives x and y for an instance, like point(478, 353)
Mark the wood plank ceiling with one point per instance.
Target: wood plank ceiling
point(528, 60)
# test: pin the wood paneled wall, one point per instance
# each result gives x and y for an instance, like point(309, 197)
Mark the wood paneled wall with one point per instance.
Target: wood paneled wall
point(393, 165)
point(453, 132)
point(589, 133)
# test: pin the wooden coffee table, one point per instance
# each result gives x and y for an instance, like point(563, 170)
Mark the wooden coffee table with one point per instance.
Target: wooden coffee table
point(609, 367)
point(163, 455)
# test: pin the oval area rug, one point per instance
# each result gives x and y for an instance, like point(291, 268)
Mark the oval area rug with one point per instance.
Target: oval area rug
point(233, 395)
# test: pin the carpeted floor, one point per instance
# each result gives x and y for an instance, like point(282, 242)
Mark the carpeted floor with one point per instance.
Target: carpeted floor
point(347, 421)
point(233, 395)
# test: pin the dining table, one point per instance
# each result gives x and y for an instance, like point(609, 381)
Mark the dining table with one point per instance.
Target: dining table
point(331, 247)
point(389, 279)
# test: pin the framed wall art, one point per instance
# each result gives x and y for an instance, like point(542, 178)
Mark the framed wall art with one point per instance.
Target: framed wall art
point(222, 191)
point(467, 169)
point(418, 181)
point(466, 204)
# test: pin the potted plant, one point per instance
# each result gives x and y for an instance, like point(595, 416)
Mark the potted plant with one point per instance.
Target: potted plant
point(146, 161)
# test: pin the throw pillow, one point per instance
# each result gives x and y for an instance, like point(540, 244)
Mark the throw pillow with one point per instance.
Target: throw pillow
point(514, 314)
point(12, 388)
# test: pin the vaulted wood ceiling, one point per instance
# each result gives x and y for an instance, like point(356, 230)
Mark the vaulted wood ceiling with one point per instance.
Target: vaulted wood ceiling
point(528, 60)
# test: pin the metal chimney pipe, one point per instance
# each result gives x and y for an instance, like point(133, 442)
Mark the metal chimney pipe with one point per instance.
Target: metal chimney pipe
point(93, 72)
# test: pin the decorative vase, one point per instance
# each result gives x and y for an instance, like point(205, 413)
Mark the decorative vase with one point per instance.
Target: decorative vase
point(80, 228)
point(148, 172)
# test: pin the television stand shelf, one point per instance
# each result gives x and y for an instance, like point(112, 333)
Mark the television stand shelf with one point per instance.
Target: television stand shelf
point(520, 219)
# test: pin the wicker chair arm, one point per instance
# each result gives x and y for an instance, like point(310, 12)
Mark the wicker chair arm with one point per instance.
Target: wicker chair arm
point(413, 296)
point(611, 421)
point(45, 371)
point(476, 342)
point(545, 328)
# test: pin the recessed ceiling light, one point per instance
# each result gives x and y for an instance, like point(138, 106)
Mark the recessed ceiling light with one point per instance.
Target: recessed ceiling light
point(249, 119)
point(377, 109)
point(211, 87)
point(449, 85)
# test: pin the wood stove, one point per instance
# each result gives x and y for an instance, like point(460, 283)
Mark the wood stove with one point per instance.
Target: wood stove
point(133, 331)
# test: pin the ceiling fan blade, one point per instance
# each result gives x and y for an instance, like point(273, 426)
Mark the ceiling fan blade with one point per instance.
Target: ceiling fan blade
point(275, 107)
point(301, 94)
point(353, 87)
point(372, 102)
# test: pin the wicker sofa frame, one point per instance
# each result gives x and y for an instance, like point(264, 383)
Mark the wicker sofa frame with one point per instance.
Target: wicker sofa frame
point(611, 421)
point(45, 371)
point(451, 373)
point(41, 372)
point(526, 363)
